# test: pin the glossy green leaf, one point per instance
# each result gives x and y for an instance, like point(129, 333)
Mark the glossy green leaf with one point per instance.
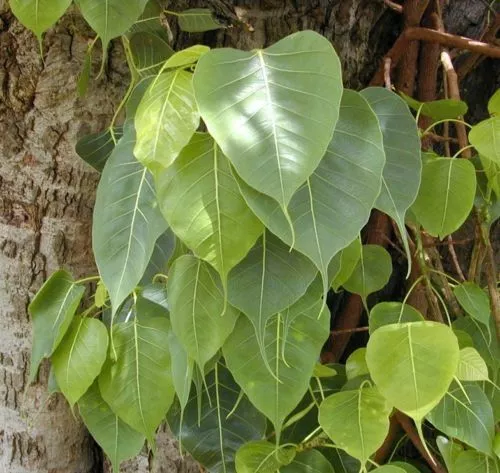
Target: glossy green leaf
point(182, 369)
point(227, 423)
point(126, 222)
point(186, 57)
point(386, 313)
point(198, 314)
point(444, 109)
point(471, 366)
point(166, 119)
point(201, 201)
point(197, 20)
point(494, 103)
point(484, 137)
point(39, 15)
point(446, 195)
point(372, 271)
point(292, 340)
point(449, 450)
point(402, 363)
point(150, 50)
point(343, 263)
point(96, 148)
point(403, 167)
point(79, 357)
point(117, 439)
point(162, 253)
point(52, 311)
point(138, 386)
point(357, 421)
point(268, 280)
point(332, 206)
point(111, 18)
point(475, 462)
point(465, 414)
point(309, 461)
point(278, 106)
point(356, 364)
point(263, 457)
point(474, 301)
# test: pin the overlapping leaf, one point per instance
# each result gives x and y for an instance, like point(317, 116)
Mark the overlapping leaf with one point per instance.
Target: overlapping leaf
point(96, 148)
point(162, 253)
point(138, 385)
point(150, 49)
point(471, 461)
point(386, 313)
point(484, 137)
point(474, 301)
point(263, 457)
point(276, 106)
point(330, 208)
point(197, 20)
point(343, 263)
point(186, 57)
point(310, 461)
point(182, 369)
point(471, 366)
point(443, 109)
point(198, 314)
point(126, 222)
point(200, 199)
point(166, 119)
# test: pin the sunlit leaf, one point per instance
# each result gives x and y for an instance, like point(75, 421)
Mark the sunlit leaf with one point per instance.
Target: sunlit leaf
point(449, 450)
point(52, 311)
point(484, 137)
point(186, 57)
point(96, 148)
point(388, 469)
point(386, 313)
point(278, 106)
point(471, 461)
point(471, 367)
point(263, 457)
point(197, 20)
point(494, 103)
point(356, 364)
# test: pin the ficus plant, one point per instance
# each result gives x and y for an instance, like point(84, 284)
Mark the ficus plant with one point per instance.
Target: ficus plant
point(232, 199)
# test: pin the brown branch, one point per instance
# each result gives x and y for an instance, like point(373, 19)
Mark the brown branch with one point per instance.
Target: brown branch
point(394, 6)
point(334, 333)
point(392, 437)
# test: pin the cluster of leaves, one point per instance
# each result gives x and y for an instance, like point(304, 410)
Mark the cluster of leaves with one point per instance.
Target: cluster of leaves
point(216, 250)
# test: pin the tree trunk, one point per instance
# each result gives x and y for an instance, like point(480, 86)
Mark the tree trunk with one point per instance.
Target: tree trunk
point(46, 192)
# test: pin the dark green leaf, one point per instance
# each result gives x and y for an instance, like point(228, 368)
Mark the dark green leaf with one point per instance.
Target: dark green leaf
point(444, 109)
point(162, 252)
point(310, 461)
point(197, 20)
point(150, 49)
point(343, 263)
point(96, 148)
point(182, 369)
point(449, 450)
point(474, 301)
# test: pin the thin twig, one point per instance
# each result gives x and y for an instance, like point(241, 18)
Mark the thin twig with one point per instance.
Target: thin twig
point(454, 258)
point(333, 333)
point(394, 6)
point(387, 73)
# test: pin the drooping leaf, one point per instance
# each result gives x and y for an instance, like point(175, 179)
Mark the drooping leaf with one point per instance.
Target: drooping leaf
point(372, 271)
point(150, 49)
point(126, 222)
point(201, 201)
point(166, 119)
point(474, 301)
point(446, 195)
point(197, 20)
point(402, 363)
point(162, 252)
point(198, 314)
point(96, 148)
point(214, 440)
point(403, 167)
point(79, 357)
point(39, 15)
point(332, 206)
point(309, 461)
point(186, 57)
point(357, 421)
point(386, 313)
point(152, 300)
point(484, 137)
point(492, 391)
point(182, 369)
point(465, 414)
point(138, 386)
point(136, 96)
point(494, 103)
point(268, 280)
point(51, 311)
point(356, 364)
point(292, 340)
point(471, 367)
point(444, 109)
point(449, 450)
point(278, 106)
point(111, 18)
point(343, 263)
point(471, 461)
point(263, 457)
point(117, 439)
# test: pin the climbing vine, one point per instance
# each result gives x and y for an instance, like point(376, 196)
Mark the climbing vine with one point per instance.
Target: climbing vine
point(234, 189)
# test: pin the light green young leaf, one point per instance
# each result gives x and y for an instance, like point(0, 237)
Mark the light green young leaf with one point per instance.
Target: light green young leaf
point(39, 15)
point(277, 106)
point(386, 313)
point(492, 174)
point(309, 461)
point(228, 422)
point(444, 109)
point(494, 103)
point(198, 314)
point(197, 20)
point(186, 57)
point(96, 148)
point(201, 201)
point(446, 195)
point(126, 222)
point(356, 364)
point(406, 467)
point(372, 271)
point(263, 457)
point(332, 206)
point(268, 280)
point(388, 469)
point(117, 439)
point(292, 340)
point(111, 18)
point(79, 357)
point(484, 137)
point(403, 167)
point(474, 301)
point(150, 49)
point(496, 445)
point(51, 311)
point(402, 363)
point(101, 295)
point(465, 414)
point(471, 366)
point(471, 461)
point(449, 450)
point(182, 369)
point(357, 421)
point(143, 367)
point(343, 263)
point(166, 119)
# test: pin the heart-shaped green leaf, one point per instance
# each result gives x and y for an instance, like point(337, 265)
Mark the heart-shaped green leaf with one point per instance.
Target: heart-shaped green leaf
point(444, 109)
point(150, 49)
point(386, 313)
point(474, 301)
point(263, 457)
point(471, 366)
point(484, 137)
point(310, 461)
